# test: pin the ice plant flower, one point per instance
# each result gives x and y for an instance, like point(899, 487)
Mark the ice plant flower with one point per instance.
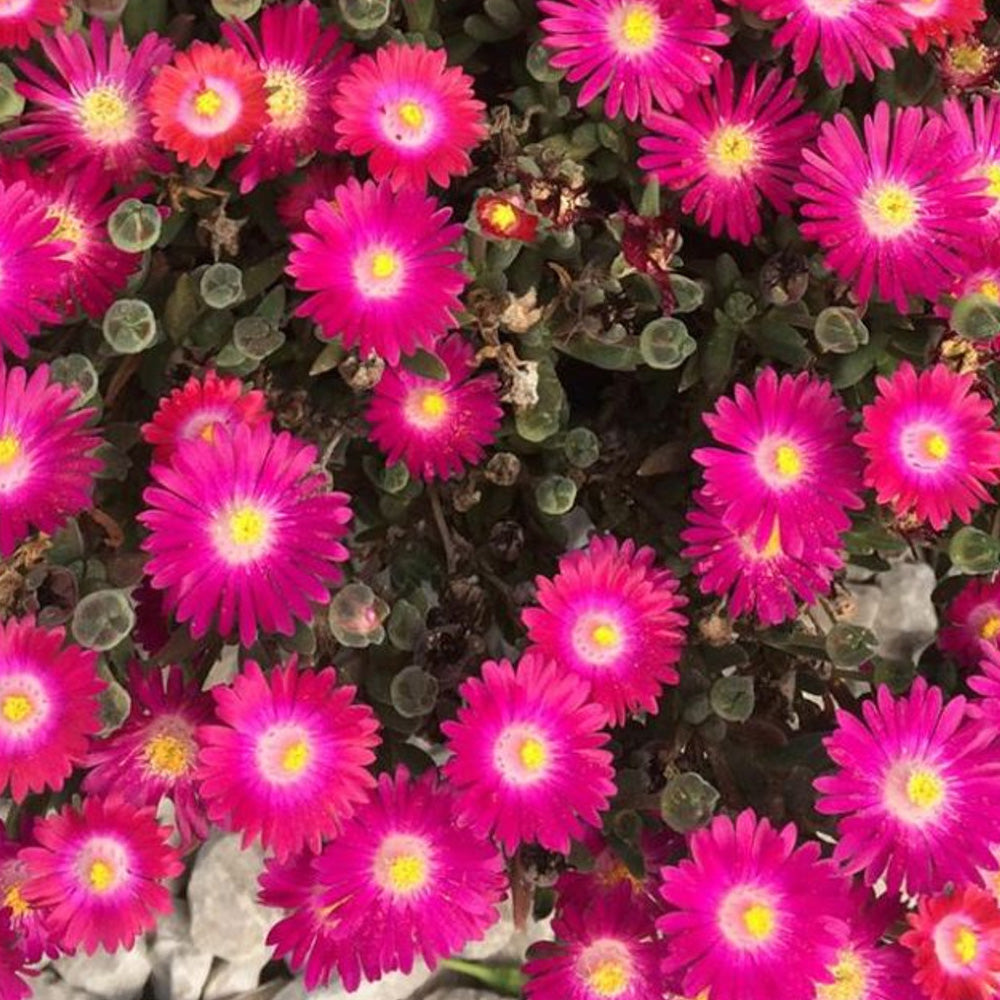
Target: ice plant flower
point(968, 65)
point(12, 961)
point(784, 455)
point(972, 617)
point(155, 751)
point(207, 102)
point(99, 869)
point(643, 53)
point(751, 916)
point(382, 269)
point(503, 217)
point(914, 787)
point(403, 881)
point(893, 214)
point(977, 138)
point(930, 445)
point(46, 462)
point(730, 150)
point(850, 36)
point(613, 618)
point(955, 940)
point(91, 108)
point(301, 61)
point(22, 21)
point(288, 760)
point(413, 116)
point(528, 758)
point(27, 922)
point(30, 268)
point(48, 706)
point(606, 949)
point(197, 408)
point(939, 22)
point(764, 579)
point(318, 182)
point(243, 528)
point(436, 427)
point(986, 683)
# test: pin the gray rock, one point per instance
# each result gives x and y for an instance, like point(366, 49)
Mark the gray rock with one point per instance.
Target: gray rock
point(180, 970)
point(392, 986)
point(462, 993)
point(228, 979)
point(226, 919)
point(48, 986)
point(117, 976)
point(905, 621)
point(496, 938)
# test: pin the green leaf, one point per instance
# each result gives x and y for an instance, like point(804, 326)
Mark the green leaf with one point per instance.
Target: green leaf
point(620, 357)
point(426, 365)
point(649, 202)
point(182, 309)
point(973, 552)
point(839, 330)
point(850, 645)
point(717, 354)
point(688, 294)
point(732, 698)
point(665, 343)
point(688, 802)
point(976, 317)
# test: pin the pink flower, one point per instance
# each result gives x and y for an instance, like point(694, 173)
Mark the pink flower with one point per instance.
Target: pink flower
point(12, 960)
point(644, 53)
point(436, 426)
point(895, 214)
point(611, 618)
point(971, 618)
point(930, 444)
point(752, 916)
point(99, 870)
point(301, 61)
point(28, 924)
point(415, 117)
point(977, 142)
point(527, 761)
point(914, 788)
point(730, 151)
point(288, 764)
point(986, 683)
point(243, 528)
point(25, 20)
point(318, 182)
point(939, 22)
point(379, 263)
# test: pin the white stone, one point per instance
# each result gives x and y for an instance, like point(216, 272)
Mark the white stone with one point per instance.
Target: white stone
point(392, 986)
point(48, 986)
point(496, 938)
point(906, 621)
point(180, 970)
point(231, 978)
point(120, 975)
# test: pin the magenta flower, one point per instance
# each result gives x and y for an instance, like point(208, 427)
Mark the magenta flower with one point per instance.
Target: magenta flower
point(288, 764)
point(914, 787)
point(943, 24)
point(318, 182)
point(644, 53)
point(610, 617)
point(197, 408)
point(380, 264)
point(46, 463)
point(895, 214)
point(930, 444)
point(243, 528)
point(48, 707)
point(606, 949)
point(972, 617)
point(528, 759)
point(730, 151)
point(752, 916)
point(28, 924)
point(91, 109)
point(12, 961)
point(986, 683)
point(25, 20)
point(436, 427)
point(404, 881)
point(155, 751)
point(416, 118)
point(301, 61)
point(977, 138)
point(786, 455)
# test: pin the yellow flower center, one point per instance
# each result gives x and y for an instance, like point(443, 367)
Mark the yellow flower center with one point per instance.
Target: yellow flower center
point(16, 708)
point(295, 757)
point(287, 99)
point(772, 547)
point(407, 872)
point(849, 979)
point(247, 526)
point(433, 404)
point(936, 445)
point(992, 173)
point(639, 26)
point(966, 945)
point(608, 978)
point(502, 216)
point(532, 754)
point(101, 875)
point(68, 226)
point(968, 58)
point(104, 113)
point(890, 210)
point(384, 265)
point(924, 788)
point(169, 756)
point(207, 433)
point(15, 901)
point(411, 114)
point(208, 103)
point(990, 628)
point(991, 289)
point(787, 461)
point(605, 635)
point(731, 149)
point(759, 921)
point(10, 448)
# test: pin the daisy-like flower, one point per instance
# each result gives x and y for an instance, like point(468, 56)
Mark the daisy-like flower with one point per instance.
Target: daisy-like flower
point(436, 427)
point(986, 683)
point(955, 940)
point(403, 881)
point(412, 115)
point(155, 752)
point(385, 276)
point(894, 215)
point(785, 455)
point(288, 764)
point(968, 65)
point(850, 36)
point(503, 217)
point(12, 961)
point(48, 706)
point(606, 949)
point(301, 61)
point(728, 151)
point(644, 53)
point(46, 463)
point(25, 20)
point(528, 757)
point(91, 109)
point(761, 579)
point(914, 788)
point(318, 182)
point(753, 916)
point(206, 103)
point(938, 22)
point(973, 617)
point(243, 528)
point(612, 618)
point(197, 408)
point(27, 922)
point(99, 870)
point(977, 139)
point(30, 269)
point(980, 276)
point(930, 444)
